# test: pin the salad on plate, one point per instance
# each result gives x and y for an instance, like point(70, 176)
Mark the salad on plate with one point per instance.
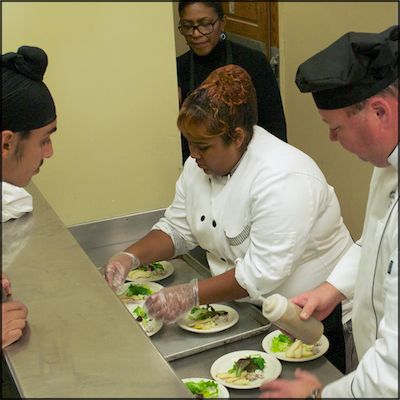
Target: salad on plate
point(149, 325)
point(203, 388)
point(286, 348)
point(151, 272)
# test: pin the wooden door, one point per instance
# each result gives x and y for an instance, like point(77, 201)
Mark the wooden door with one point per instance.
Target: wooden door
point(256, 20)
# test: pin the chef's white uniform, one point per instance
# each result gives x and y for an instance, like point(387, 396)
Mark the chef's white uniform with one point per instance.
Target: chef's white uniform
point(274, 218)
point(371, 269)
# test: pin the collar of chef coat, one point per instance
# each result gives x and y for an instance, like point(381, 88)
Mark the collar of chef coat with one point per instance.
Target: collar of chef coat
point(393, 159)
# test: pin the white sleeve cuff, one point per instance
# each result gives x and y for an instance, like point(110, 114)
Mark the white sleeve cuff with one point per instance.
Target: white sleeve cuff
point(344, 275)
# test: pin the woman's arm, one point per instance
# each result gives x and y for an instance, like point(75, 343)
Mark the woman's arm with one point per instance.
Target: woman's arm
point(219, 288)
point(155, 246)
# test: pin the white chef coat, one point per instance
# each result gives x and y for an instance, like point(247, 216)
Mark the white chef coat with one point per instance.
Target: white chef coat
point(275, 219)
point(371, 268)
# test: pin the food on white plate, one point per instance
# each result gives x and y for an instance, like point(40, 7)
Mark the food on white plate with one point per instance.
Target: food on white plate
point(143, 319)
point(206, 317)
point(294, 348)
point(244, 370)
point(135, 292)
point(155, 269)
point(203, 389)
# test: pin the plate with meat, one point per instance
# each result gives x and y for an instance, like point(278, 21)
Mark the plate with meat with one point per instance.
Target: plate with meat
point(137, 292)
point(210, 318)
point(245, 369)
point(286, 348)
point(149, 325)
point(151, 272)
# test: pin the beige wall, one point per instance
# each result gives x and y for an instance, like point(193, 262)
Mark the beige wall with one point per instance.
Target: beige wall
point(113, 77)
point(304, 29)
point(114, 82)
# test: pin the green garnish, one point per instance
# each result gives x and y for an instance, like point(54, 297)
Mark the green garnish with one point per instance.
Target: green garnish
point(281, 343)
point(249, 364)
point(135, 290)
point(140, 314)
point(202, 389)
point(156, 267)
point(200, 313)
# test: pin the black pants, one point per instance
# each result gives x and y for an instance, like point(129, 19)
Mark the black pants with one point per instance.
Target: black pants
point(8, 388)
point(333, 330)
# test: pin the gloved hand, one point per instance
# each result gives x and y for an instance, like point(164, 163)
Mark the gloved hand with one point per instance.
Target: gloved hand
point(118, 267)
point(169, 304)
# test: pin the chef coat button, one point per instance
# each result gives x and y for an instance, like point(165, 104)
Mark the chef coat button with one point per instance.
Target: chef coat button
point(214, 224)
point(392, 194)
point(202, 218)
point(223, 259)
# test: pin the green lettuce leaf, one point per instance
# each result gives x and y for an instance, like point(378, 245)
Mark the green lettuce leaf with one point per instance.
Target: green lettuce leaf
point(281, 343)
point(207, 389)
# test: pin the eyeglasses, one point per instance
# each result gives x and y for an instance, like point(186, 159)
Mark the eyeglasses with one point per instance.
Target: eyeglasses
point(205, 28)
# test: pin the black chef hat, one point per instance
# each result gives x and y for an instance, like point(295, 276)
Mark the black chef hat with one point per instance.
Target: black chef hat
point(353, 68)
point(26, 102)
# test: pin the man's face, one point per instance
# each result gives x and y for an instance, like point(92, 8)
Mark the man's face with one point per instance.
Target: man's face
point(361, 134)
point(22, 158)
point(200, 14)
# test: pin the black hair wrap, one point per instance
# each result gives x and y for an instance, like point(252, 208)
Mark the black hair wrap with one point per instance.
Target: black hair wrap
point(26, 101)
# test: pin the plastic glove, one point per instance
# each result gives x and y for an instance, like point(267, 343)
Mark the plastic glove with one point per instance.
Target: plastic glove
point(169, 304)
point(118, 267)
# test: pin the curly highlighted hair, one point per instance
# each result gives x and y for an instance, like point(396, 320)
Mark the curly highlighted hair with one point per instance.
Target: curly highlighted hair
point(226, 100)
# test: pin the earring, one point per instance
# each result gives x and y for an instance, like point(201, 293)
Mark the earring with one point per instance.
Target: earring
point(222, 36)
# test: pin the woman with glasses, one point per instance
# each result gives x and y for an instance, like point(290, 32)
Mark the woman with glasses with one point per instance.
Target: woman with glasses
point(261, 209)
point(202, 24)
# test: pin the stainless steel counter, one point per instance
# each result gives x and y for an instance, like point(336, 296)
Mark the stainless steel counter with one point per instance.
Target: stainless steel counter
point(80, 340)
point(190, 354)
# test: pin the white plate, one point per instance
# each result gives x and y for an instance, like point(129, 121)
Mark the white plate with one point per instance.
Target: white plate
point(153, 325)
point(271, 371)
point(155, 287)
point(168, 269)
point(267, 342)
point(233, 318)
point(222, 390)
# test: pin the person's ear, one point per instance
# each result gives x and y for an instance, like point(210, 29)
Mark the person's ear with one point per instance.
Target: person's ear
point(7, 138)
point(382, 111)
point(238, 137)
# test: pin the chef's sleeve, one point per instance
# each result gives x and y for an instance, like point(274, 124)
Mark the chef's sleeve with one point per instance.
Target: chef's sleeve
point(344, 275)
point(377, 372)
point(175, 224)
